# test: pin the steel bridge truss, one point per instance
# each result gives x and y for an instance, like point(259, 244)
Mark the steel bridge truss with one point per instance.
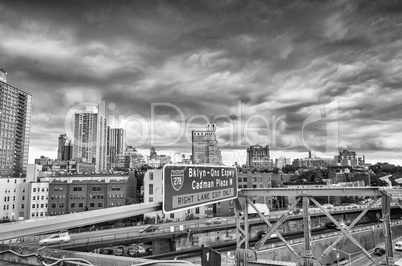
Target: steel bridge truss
point(246, 254)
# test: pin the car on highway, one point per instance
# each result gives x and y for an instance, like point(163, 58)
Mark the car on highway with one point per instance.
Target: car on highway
point(56, 239)
point(379, 251)
point(398, 245)
point(119, 251)
point(263, 233)
point(353, 206)
point(106, 251)
point(295, 211)
point(150, 228)
point(343, 224)
point(216, 220)
point(328, 206)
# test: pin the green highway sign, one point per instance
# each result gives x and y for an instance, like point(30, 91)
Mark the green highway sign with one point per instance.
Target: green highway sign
point(188, 186)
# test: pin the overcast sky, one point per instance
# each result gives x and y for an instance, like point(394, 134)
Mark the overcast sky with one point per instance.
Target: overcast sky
point(294, 75)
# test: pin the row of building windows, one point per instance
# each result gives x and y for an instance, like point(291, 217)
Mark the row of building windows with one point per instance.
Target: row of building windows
point(37, 197)
point(6, 207)
point(43, 189)
point(37, 214)
point(37, 206)
point(81, 205)
point(8, 199)
point(96, 188)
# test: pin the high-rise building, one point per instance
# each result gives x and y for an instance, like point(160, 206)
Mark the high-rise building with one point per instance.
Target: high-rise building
point(205, 148)
point(68, 150)
point(3, 75)
point(115, 145)
point(258, 157)
point(89, 144)
point(15, 120)
point(60, 150)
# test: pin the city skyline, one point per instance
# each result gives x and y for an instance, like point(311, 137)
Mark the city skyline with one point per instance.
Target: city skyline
point(309, 76)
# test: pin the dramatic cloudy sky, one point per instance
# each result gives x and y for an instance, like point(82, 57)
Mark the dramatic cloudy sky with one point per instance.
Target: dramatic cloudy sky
point(294, 75)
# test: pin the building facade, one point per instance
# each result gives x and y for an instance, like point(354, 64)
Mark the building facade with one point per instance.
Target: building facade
point(115, 145)
point(205, 148)
point(83, 193)
point(255, 180)
point(13, 199)
point(38, 193)
point(90, 133)
point(258, 157)
point(60, 147)
point(15, 119)
point(347, 158)
point(65, 148)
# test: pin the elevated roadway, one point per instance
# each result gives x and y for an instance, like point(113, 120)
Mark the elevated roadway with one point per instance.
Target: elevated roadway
point(62, 222)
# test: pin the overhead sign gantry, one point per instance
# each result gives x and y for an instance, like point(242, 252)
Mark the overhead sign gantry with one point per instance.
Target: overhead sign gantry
point(189, 186)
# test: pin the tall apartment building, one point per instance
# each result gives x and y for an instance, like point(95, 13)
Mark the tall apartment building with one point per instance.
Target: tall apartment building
point(258, 157)
point(205, 148)
point(65, 148)
point(90, 133)
point(15, 119)
point(115, 145)
point(60, 149)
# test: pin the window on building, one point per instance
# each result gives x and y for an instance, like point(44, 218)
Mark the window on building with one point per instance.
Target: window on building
point(151, 189)
point(197, 210)
point(81, 205)
point(151, 199)
point(172, 215)
point(33, 206)
point(254, 186)
point(72, 205)
point(96, 188)
point(100, 205)
point(151, 176)
point(34, 189)
point(61, 205)
point(22, 206)
point(53, 205)
point(77, 188)
point(92, 205)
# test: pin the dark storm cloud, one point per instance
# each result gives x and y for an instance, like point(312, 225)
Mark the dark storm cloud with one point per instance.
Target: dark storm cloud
point(272, 58)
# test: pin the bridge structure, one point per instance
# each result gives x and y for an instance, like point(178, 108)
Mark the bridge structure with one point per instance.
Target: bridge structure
point(247, 255)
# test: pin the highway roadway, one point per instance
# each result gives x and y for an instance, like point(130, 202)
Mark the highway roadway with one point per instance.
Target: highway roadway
point(110, 235)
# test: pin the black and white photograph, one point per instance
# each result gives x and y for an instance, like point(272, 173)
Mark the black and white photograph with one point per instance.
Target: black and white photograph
point(209, 132)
